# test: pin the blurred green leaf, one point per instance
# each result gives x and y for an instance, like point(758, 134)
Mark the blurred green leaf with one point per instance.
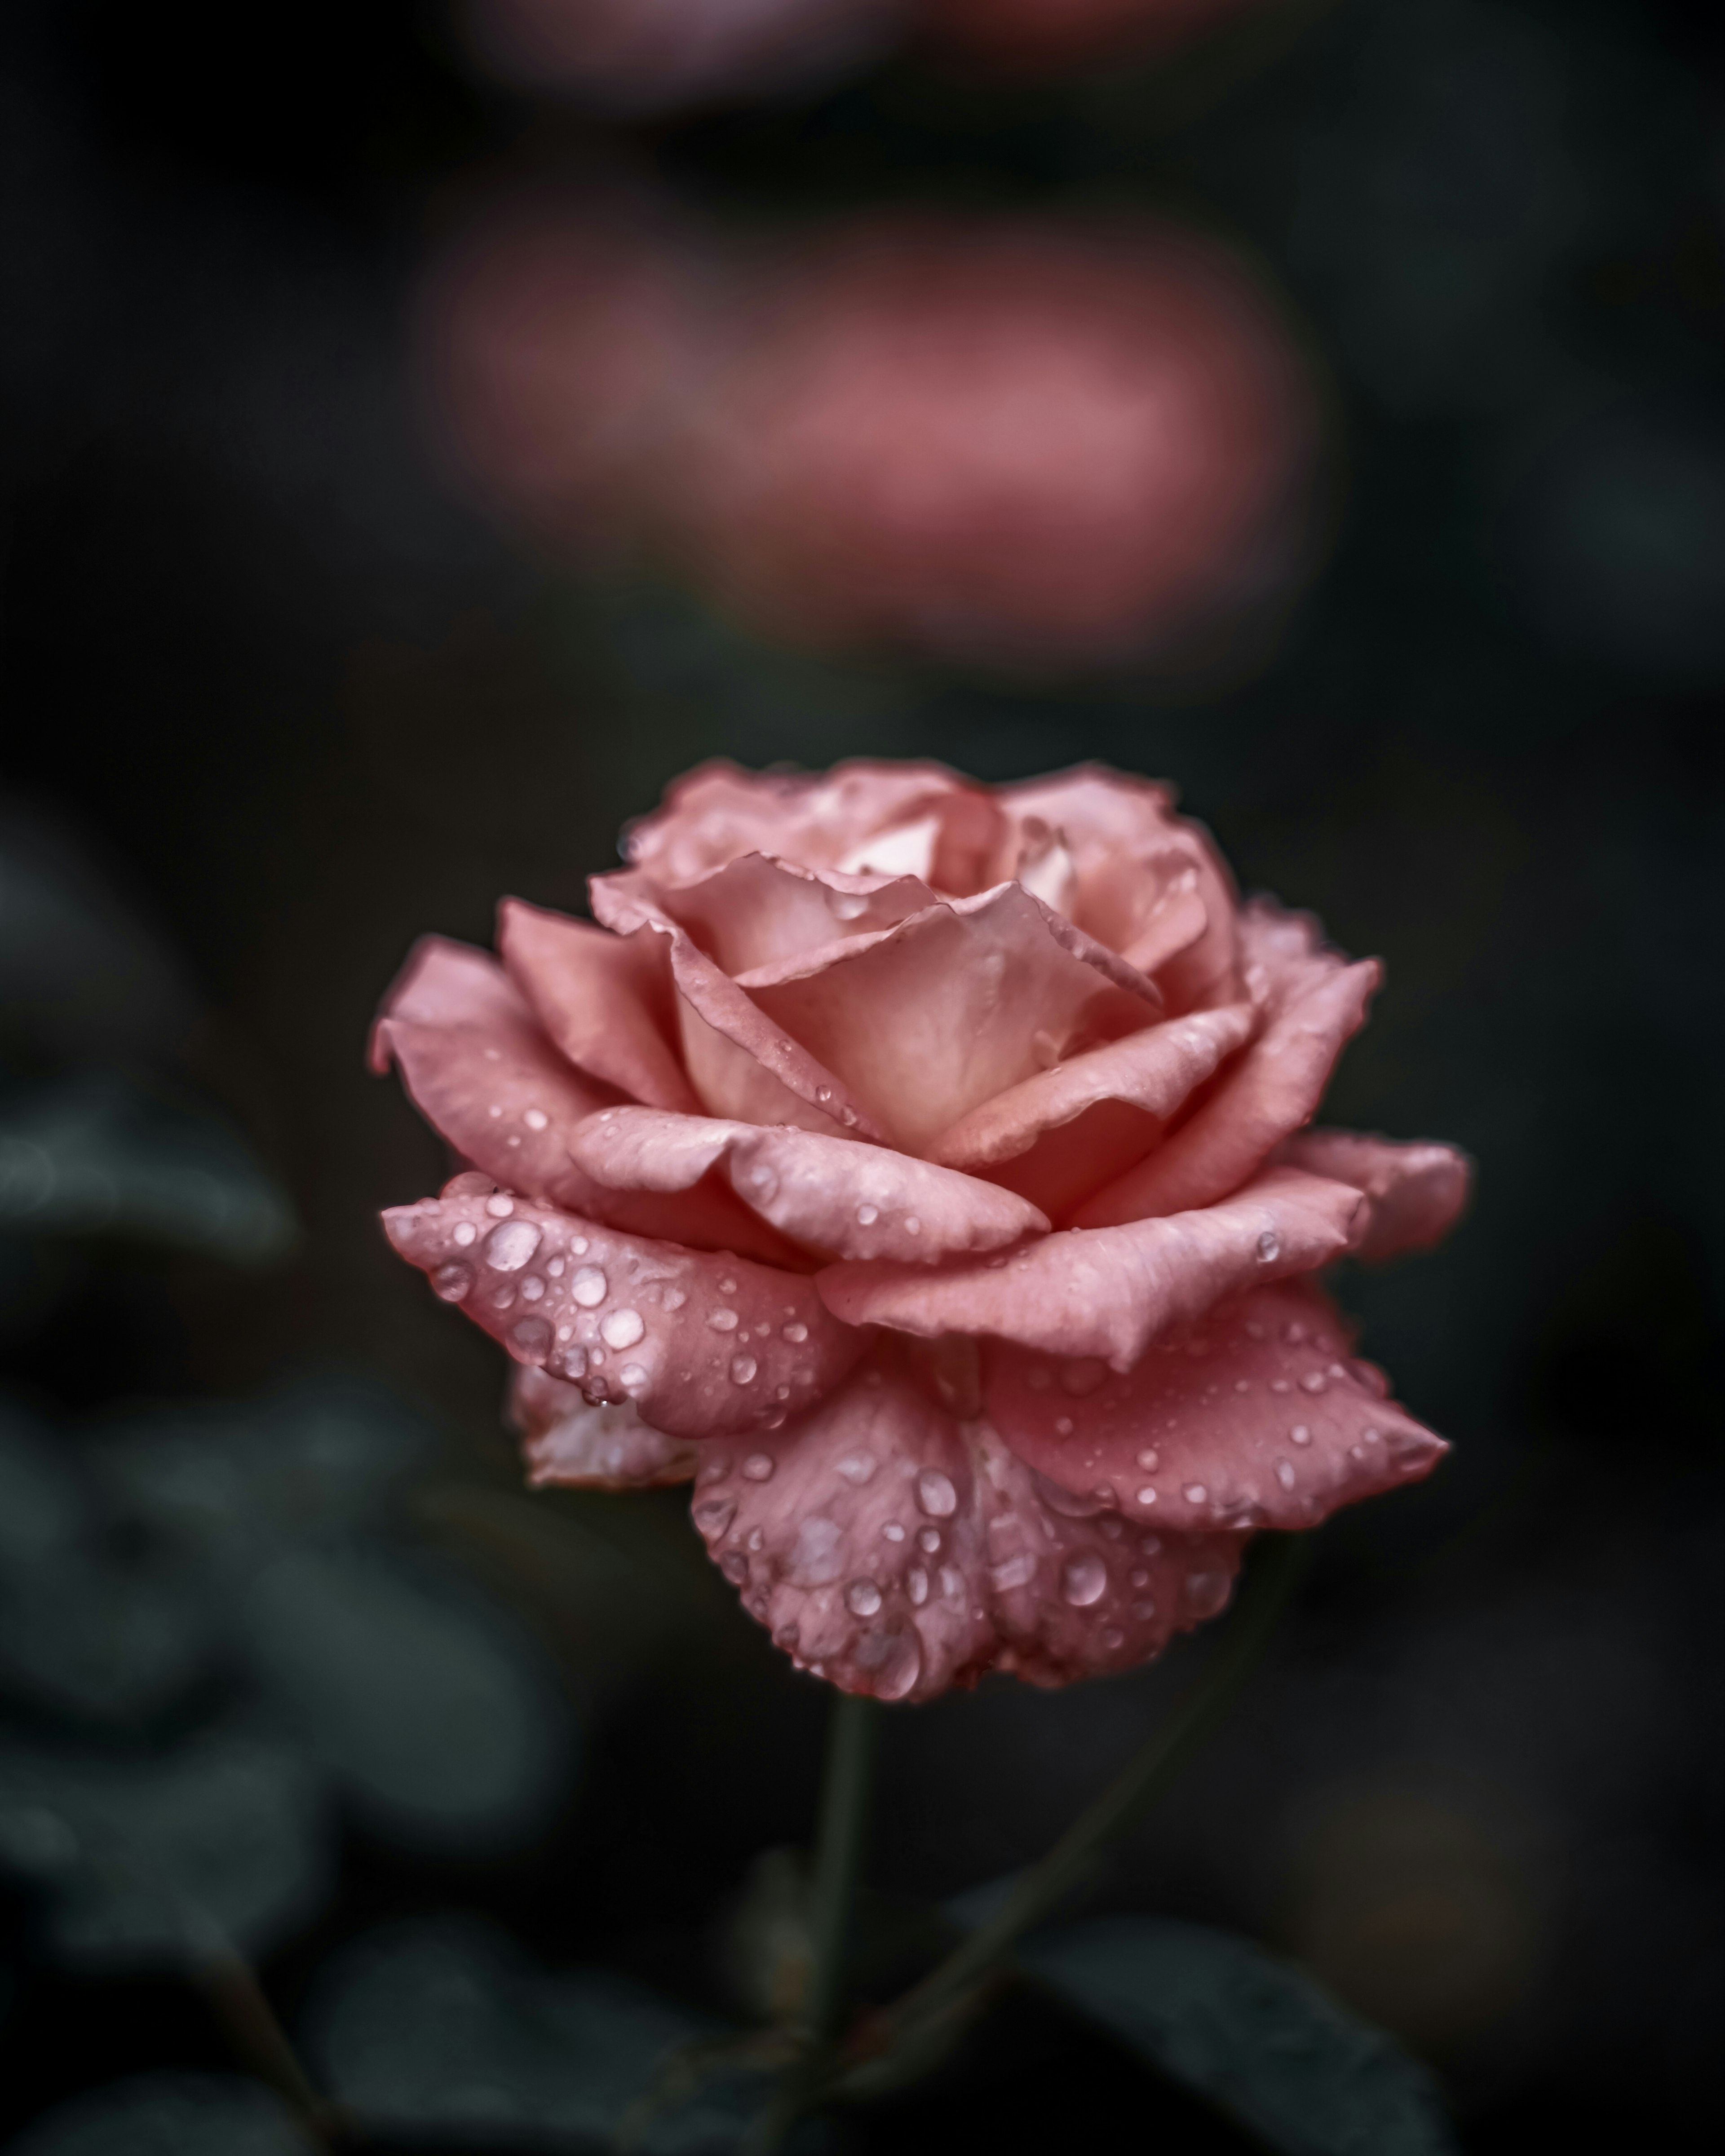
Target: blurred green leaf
point(1252, 2034)
point(153, 1863)
point(166, 2114)
point(80, 1633)
point(427, 1705)
point(97, 1156)
point(443, 2030)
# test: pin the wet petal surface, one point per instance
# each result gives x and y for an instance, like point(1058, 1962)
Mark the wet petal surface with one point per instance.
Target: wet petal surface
point(831, 1194)
point(703, 1343)
point(897, 1550)
point(1256, 1417)
point(1109, 1292)
point(572, 1441)
point(1417, 1190)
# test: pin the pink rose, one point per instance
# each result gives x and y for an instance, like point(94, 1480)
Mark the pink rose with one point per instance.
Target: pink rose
point(923, 1168)
point(1026, 442)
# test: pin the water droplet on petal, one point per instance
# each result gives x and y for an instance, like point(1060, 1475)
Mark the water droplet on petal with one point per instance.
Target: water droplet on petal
point(913, 1226)
point(508, 1248)
point(1194, 1493)
point(743, 1369)
point(928, 1540)
point(727, 1287)
point(1314, 1381)
point(464, 1233)
point(633, 1377)
point(713, 1514)
point(1285, 1473)
point(535, 1119)
point(867, 1215)
point(951, 1583)
point(452, 1281)
point(1204, 1592)
point(1016, 1572)
point(577, 1246)
point(758, 1466)
point(864, 1597)
point(1113, 1639)
point(916, 1585)
point(1084, 1579)
point(795, 1333)
point(1150, 1460)
point(533, 1339)
point(1063, 1426)
point(1147, 1497)
point(892, 1532)
point(858, 1468)
point(673, 1299)
point(1299, 1435)
point(735, 1566)
point(622, 1328)
point(499, 1207)
point(722, 1320)
point(1269, 1247)
point(935, 1495)
point(589, 1287)
point(532, 1288)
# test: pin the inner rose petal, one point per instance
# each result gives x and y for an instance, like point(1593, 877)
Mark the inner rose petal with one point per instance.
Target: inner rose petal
point(925, 1023)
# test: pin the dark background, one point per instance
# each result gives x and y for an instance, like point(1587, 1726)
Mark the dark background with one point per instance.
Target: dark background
point(300, 704)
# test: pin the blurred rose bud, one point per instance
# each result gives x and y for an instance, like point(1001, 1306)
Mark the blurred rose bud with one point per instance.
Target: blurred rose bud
point(1007, 442)
point(1020, 443)
point(655, 55)
point(1031, 36)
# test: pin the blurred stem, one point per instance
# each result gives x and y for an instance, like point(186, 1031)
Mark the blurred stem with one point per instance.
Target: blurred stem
point(908, 2034)
point(846, 1786)
point(229, 1983)
point(846, 1781)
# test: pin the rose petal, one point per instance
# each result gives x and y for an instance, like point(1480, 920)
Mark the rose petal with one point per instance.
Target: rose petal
point(834, 1194)
point(1254, 1418)
point(603, 1000)
point(1314, 1002)
point(1109, 1292)
point(756, 912)
point(897, 1551)
point(719, 813)
point(1144, 877)
point(704, 1344)
point(482, 1073)
point(569, 1439)
point(741, 1063)
point(929, 1019)
point(1417, 1191)
point(1153, 1071)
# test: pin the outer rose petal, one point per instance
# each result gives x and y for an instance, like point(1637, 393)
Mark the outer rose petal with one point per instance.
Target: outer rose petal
point(1417, 1191)
point(860, 1201)
point(604, 1000)
point(569, 1439)
point(931, 1018)
point(897, 1551)
point(1316, 1003)
point(704, 1344)
point(1109, 1292)
point(485, 1075)
point(1252, 1419)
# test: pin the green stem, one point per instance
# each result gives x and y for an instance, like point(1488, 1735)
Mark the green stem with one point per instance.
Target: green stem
point(851, 1730)
point(949, 1988)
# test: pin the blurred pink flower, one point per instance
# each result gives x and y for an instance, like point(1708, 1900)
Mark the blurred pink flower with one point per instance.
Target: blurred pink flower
point(924, 1169)
point(657, 56)
point(1020, 443)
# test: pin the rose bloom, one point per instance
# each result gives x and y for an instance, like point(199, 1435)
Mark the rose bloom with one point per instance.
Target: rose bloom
point(1019, 442)
point(923, 1170)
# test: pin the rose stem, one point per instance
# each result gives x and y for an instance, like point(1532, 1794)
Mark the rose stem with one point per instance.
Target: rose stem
point(229, 1983)
point(846, 1786)
point(845, 1781)
point(1041, 1890)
